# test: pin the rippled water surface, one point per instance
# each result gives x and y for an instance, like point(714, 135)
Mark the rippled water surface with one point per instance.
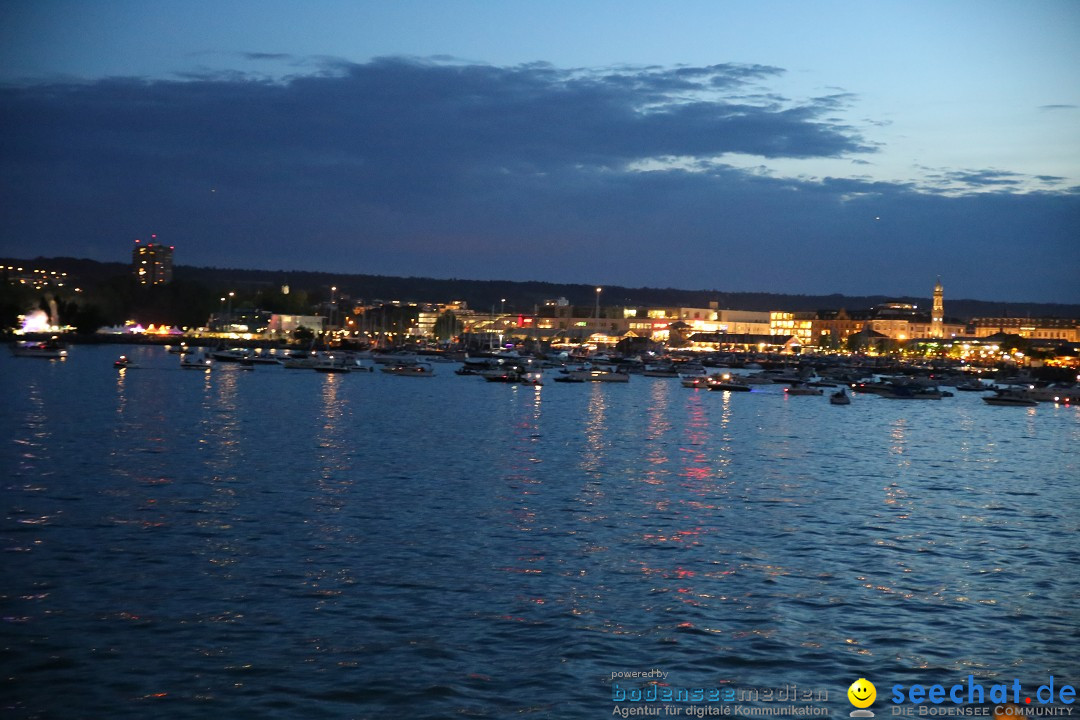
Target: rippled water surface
point(287, 544)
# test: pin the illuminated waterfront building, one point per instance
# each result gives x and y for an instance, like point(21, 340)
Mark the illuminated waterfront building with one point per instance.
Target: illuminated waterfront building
point(799, 324)
point(1063, 329)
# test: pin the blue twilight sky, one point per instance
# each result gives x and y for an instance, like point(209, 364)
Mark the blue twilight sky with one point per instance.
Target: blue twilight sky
point(808, 147)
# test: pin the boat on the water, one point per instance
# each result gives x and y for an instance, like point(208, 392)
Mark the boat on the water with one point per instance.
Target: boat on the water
point(124, 362)
point(1010, 396)
point(409, 369)
point(222, 354)
point(973, 384)
point(195, 361)
point(261, 359)
point(1057, 393)
point(661, 370)
point(513, 374)
point(912, 391)
point(726, 383)
point(840, 397)
point(593, 373)
point(330, 366)
point(600, 374)
point(800, 388)
point(50, 349)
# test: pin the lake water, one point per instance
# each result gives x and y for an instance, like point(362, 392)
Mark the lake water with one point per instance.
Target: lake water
point(287, 544)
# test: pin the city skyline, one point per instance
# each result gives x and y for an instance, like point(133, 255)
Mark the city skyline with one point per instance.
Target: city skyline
point(892, 144)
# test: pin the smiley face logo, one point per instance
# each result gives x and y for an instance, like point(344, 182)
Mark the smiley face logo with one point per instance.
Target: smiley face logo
point(862, 693)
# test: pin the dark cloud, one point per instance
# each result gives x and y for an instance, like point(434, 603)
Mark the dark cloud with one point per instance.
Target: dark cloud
point(417, 167)
point(983, 178)
point(267, 56)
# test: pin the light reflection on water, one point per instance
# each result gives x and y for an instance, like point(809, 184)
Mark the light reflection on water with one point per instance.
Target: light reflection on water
point(292, 544)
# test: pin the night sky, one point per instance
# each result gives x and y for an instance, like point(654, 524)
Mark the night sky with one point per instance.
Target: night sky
point(852, 147)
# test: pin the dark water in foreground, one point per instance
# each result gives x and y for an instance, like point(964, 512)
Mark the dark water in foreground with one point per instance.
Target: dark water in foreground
point(287, 544)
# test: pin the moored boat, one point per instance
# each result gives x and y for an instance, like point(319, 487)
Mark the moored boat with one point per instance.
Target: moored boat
point(973, 384)
point(50, 349)
point(1057, 393)
point(409, 369)
point(1009, 396)
point(911, 391)
point(840, 397)
point(261, 359)
point(726, 383)
point(331, 366)
point(800, 388)
point(663, 370)
point(195, 361)
point(606, 375)
point(513, 374)
point(230, 355)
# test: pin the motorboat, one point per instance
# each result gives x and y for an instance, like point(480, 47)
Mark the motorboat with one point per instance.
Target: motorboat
point(661, 370)
point(51, 349)
point(195, 361)
point(599, 374)
point(1011, 396)
point(900, 391)
point(840, 397)
point(398, 357)
point(231, 355)
point(477, 365)
point(726, 382)
point(800, 388)
point(124, 362)
point(302, 361)
point(872, 388)
point(409, 369)
point(594, 373)
point(973, 384)
point(261, 359)
point(533, 377)
point(1057, 392)
point(513, 374)
point(332, 364)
